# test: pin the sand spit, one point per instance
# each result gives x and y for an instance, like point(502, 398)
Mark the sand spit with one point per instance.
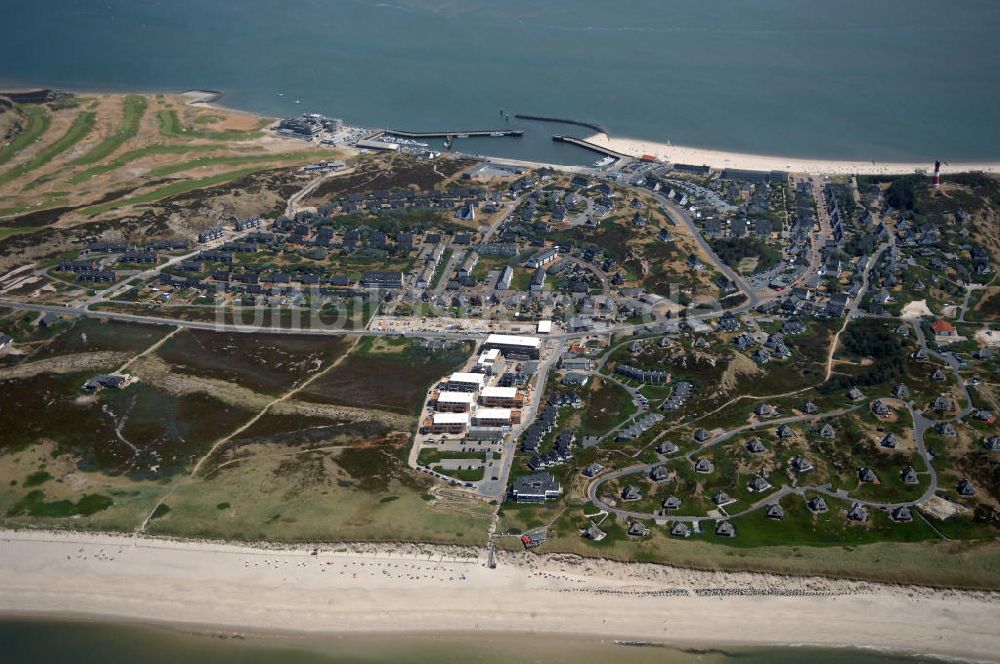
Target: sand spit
point(719, 159)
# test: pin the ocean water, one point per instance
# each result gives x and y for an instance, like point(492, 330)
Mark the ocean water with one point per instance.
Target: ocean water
point(28, 642)
point(852, 79)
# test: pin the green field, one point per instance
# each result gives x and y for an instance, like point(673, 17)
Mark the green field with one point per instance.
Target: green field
point(608, 405)
point(40, 205)
point(37, 121)
point(8, 231)
point(203, 162)
point(82, 125)
point(133, 109)
point(170, 125)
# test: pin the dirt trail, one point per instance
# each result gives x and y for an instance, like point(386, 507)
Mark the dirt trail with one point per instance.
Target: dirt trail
point(284, 397)
point(149, 350)
point(225, 439)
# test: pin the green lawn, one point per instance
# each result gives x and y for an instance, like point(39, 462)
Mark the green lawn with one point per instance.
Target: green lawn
point(202, 162)
point(37, 121)
point(8, 232)
point(40, 205)
point(522, 279)
point(912, 558)
point(607, 406)
point(133, 109)
point(430, 456)
point(82, 125)
point(465, 474)
point(170, 125)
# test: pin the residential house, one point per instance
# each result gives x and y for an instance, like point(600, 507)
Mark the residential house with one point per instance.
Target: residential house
point(800, 465)
point(671, 503)
point(630, 493)
point(637, 529)
point(680, 529)
point(817, 505)
point(725, 529)
point(901, 514)
point(535, 488)
point(889, 441)
point(857, 513)
point(704, 466)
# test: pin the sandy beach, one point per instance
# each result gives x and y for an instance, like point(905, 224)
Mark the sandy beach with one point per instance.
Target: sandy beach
point(719, 159)
point(410, 588)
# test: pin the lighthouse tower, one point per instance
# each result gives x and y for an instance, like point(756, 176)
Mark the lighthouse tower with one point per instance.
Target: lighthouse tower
point(937, 175)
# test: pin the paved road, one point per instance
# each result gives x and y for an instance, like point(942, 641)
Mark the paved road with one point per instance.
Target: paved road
point(498, 488)
point(753, 299)
point(601, 277)
point(920, 426)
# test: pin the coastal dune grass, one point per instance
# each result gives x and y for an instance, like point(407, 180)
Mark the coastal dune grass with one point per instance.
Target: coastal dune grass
point(180, 187)
point(321, 495)
point(171, 126)
point(795, 546)
point(134, 155)
point(133, 108)
point(37, 121)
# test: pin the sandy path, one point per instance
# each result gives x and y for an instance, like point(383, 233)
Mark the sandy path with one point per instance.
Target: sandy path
point(409, 588)
point(74, 363)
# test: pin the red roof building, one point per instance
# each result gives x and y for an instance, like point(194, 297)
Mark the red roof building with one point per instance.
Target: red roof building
point(943, 327)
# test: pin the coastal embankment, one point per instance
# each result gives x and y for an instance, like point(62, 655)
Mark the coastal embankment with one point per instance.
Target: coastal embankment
point(340, 589)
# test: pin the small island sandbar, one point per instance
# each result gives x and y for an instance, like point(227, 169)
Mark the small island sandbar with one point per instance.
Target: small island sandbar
point(412, 588)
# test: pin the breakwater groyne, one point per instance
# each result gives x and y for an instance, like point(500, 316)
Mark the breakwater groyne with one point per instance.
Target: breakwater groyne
point(579, 123)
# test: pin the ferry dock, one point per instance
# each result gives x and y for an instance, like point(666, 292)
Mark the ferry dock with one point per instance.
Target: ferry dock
point(495, 133)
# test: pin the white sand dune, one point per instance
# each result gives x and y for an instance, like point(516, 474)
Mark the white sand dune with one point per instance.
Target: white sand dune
point(353, 588)
point(719, 159)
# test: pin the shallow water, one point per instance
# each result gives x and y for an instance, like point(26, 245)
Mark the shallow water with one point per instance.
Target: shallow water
point(894, 80)
point(26, 642)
